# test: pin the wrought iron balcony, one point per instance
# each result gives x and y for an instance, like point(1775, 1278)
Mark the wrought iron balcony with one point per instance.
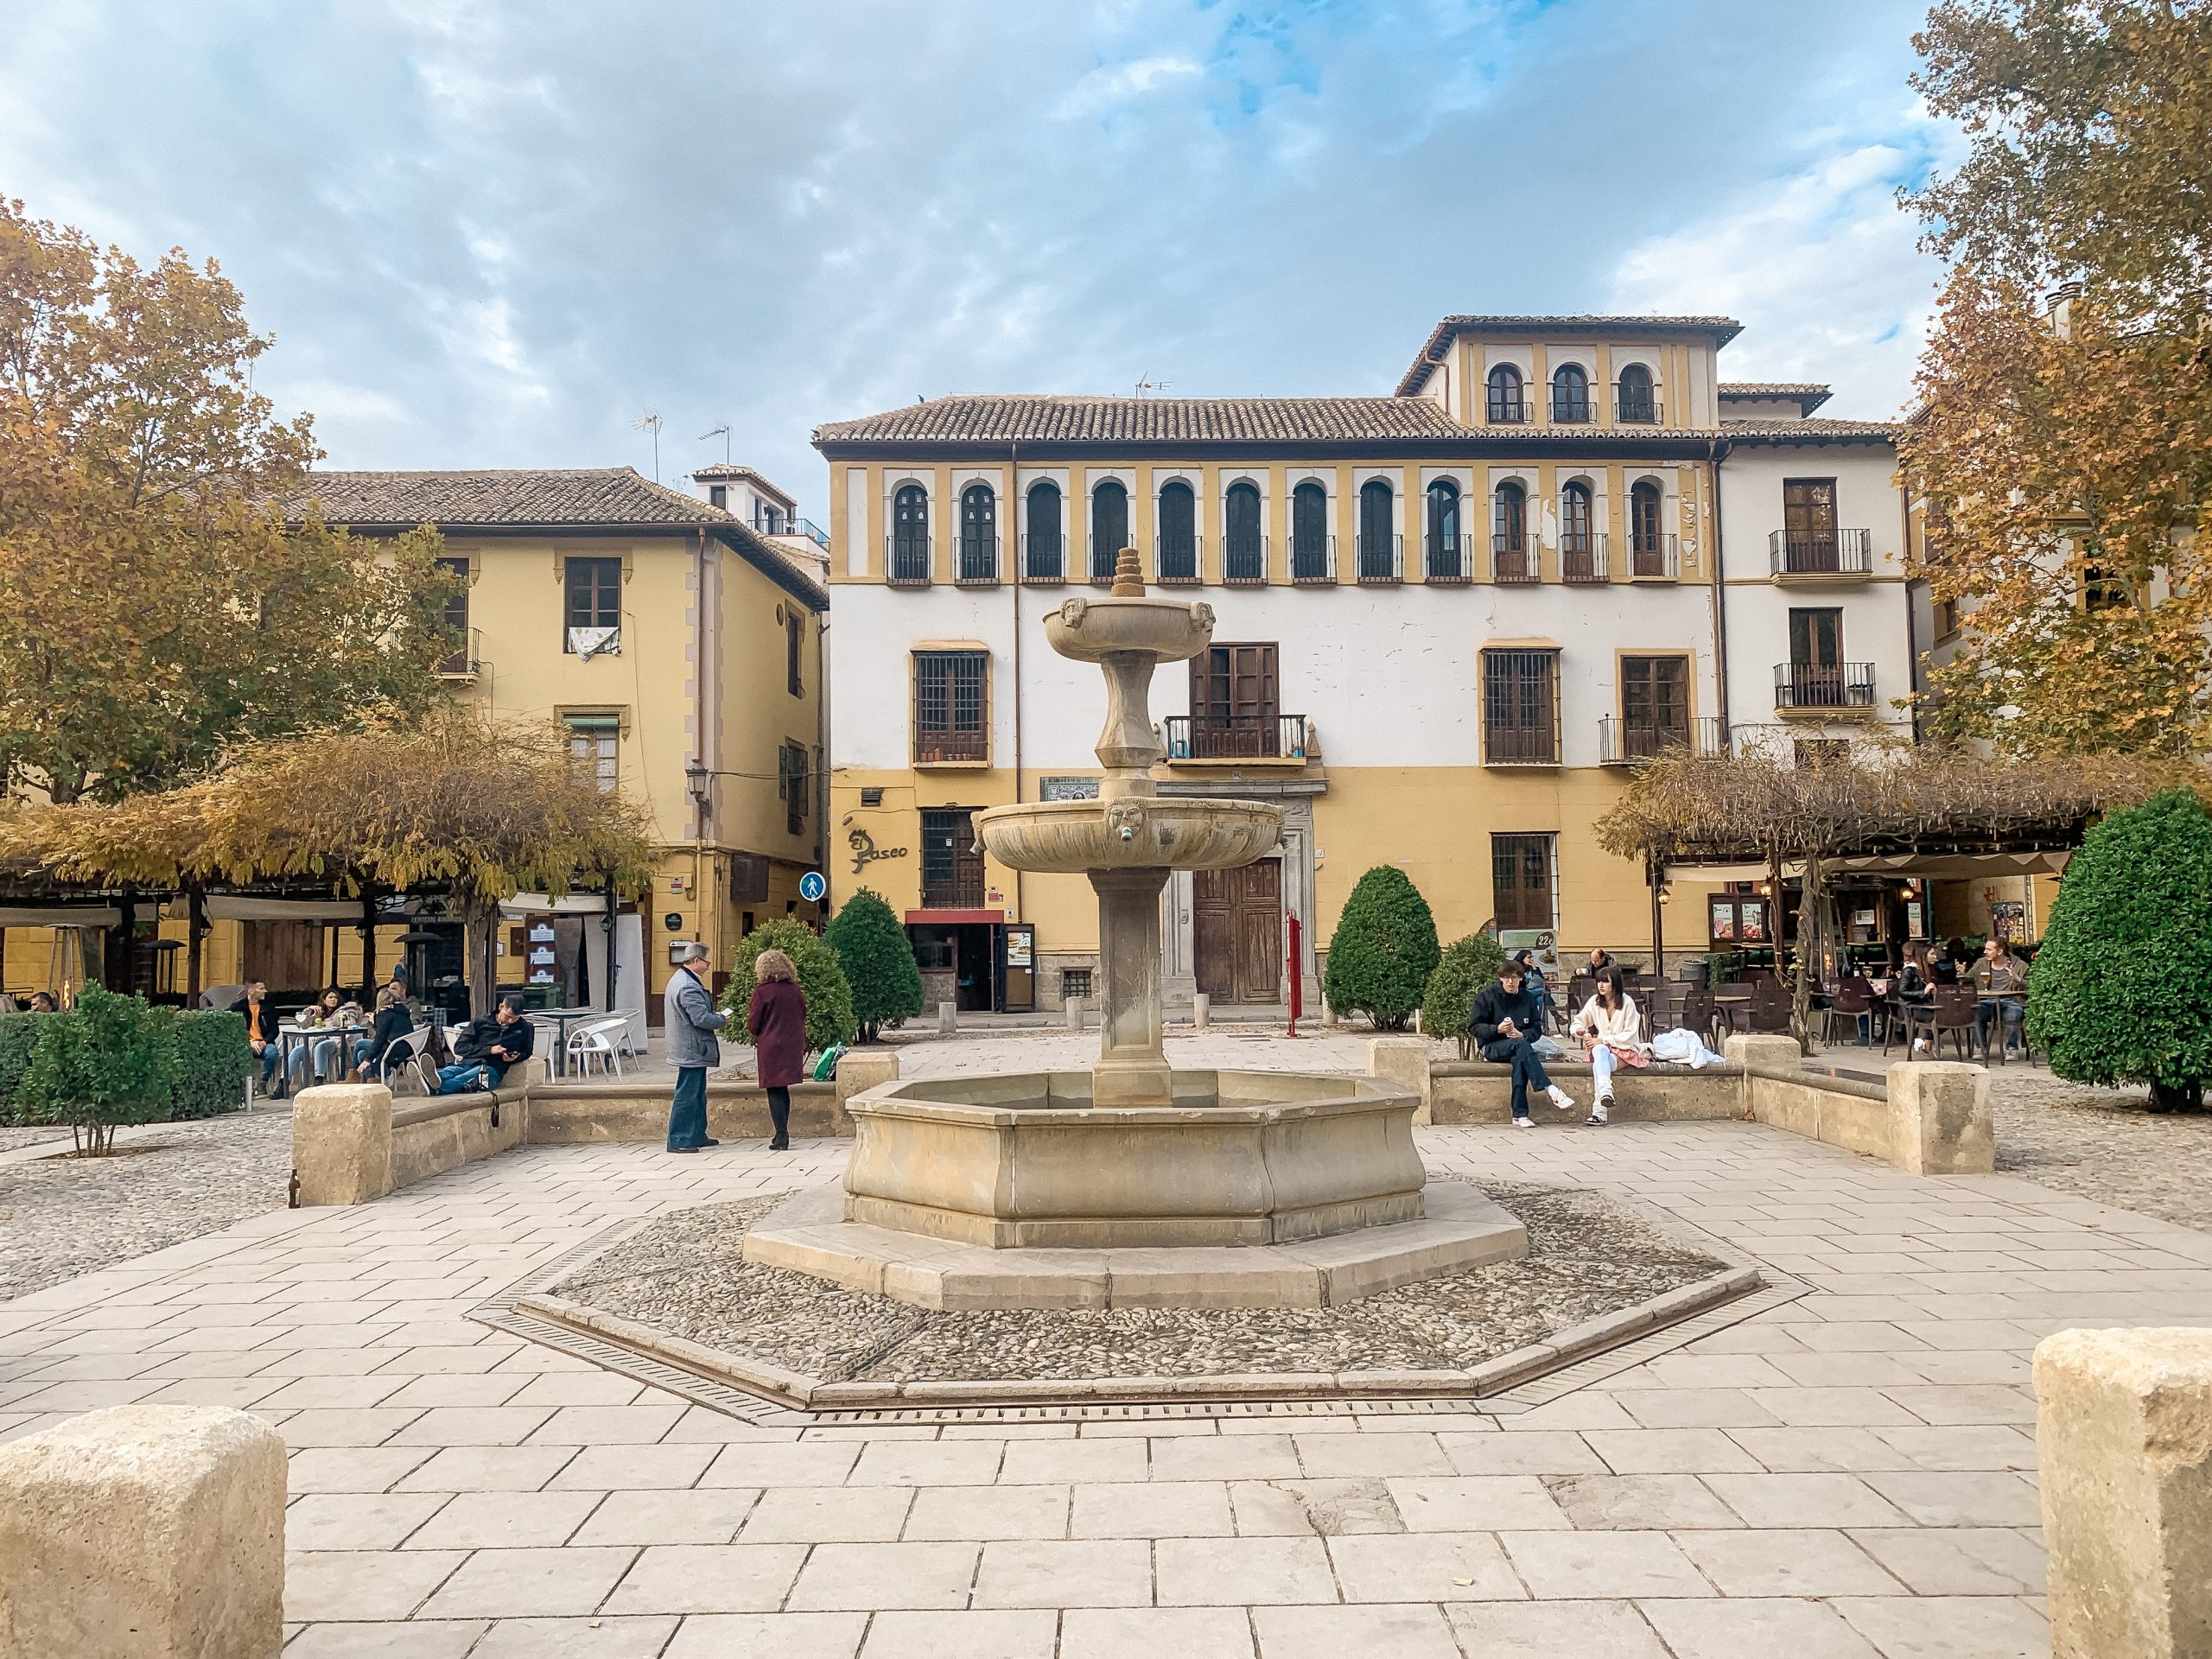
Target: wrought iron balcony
point(1313, 560)
point(1831, 553)
point(1803, 686)
point(1638, 409)
point(1235, 737)
point(1571, 410)
point(1627, 743)
point(464, 663)
point(1509, 411)
point(979, 561)
point(1514, 560)
point(1244, 560)
point(1177, 561)
point(1044, 558)
point(1450, 559)
point(1382, 558)
point(1583, 558)
point(1654, 560)
point(906, 560)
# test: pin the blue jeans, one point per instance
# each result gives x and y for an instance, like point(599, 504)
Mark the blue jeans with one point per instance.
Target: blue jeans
point(466, 1078)
point(1526, 1068)
point(268, 1065)
point(2016, 1015)
point(687, 1114)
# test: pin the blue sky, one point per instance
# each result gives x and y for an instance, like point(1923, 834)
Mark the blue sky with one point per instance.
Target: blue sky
point(497, 234)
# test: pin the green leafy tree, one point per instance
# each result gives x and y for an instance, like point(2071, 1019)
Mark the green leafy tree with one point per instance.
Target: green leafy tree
point(878, 962)
point(821, 981)
point(109, 1060)
point(2121, 991)
point(1468, 964)
point(1383, 950)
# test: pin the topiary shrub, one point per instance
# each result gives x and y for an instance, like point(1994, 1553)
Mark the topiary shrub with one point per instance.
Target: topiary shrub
point(829, 998)
point(878, 960)
point(1467, 965)
point(2121, 991)
point(1384, 950)
point(18, 1036)
point(109, 1060)
point(213, 1061)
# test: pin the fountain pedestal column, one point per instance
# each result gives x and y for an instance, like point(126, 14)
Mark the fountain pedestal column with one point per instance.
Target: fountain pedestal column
point(1132, 1069)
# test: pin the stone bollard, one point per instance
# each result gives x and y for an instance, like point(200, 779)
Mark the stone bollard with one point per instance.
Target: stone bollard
point(2123, 1452)
point(341, 1143)
point(864, 1068)
point(1940, 1123)
point(1072, 1009)
point(1750, 1049)
point(1201, 1010)
point(1405, 1061)
point(948, 1019)
point(143, 1532)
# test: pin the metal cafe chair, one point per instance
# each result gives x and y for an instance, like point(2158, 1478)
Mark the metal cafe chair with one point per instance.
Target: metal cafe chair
point(1955, 1011)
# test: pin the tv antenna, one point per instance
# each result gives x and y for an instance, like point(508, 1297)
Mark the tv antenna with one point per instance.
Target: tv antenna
point(722, 432)
point(1149, 384)
point(651, 422)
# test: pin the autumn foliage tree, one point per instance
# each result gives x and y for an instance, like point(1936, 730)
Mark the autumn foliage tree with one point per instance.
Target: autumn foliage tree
point(155, 604)
point(2064, 447)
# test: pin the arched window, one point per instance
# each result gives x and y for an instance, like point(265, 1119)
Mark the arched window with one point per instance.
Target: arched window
point(1647, 552)
point(1378, 544)
point(1570, 393)
point(1110, 527)
point(1447, 560)
point(1044, 556)
point(910, 534)
point(1243, 549)
point(1577, 552)
point(1636, 402)
point(1175, 550)
point(1309, 534)
point(1510, 554)
point(1507, 406)
point(979, 534)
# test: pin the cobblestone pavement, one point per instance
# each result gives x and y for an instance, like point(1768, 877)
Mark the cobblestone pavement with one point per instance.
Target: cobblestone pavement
point(1849, 1473)
point(30, 1134)
point(62, 1217)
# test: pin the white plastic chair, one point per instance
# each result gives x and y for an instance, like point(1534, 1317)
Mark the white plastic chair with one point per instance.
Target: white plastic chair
point(591, 1042)
point(406, 1049)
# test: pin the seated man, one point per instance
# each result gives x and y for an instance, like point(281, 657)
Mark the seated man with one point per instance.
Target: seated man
point(261, 1028)
point(1506, 1019)
point(486, 1048)
point(1999, 972)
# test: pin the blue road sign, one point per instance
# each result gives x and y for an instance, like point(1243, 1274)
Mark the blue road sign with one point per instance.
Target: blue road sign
point(812, 887)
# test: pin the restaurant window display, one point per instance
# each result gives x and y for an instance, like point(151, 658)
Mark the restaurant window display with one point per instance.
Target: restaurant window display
point(1738, 920)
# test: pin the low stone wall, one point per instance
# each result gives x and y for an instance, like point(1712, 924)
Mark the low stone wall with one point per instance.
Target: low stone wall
point(352, 1143)
point(1928, 1118)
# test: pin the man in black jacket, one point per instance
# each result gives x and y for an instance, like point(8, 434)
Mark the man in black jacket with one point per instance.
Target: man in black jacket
point(486, 1048)
point(1505, 1021)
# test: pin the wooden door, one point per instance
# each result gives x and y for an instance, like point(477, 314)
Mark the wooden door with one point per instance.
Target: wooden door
point(1236, 917)
point(287, 954)
point(1808, 522)
point(1233, 700)
point(1521, 880)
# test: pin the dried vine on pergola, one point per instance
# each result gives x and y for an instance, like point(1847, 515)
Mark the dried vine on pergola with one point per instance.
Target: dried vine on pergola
point(485, 808)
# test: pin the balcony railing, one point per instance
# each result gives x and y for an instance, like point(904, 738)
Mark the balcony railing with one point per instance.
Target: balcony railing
point(1520, 745)
point(1044, 558)
point(1625, 743)
point(1451, 558)
point(1824, 685)
point(1650, 559)
point(1244, 560)
point(1645, 409)
point(1514, 560)
point(1509, 411)
point(1571, 412)
point(463, 665)
point(933, 748)
point(1235, 737)
point(1382, 558)
point(1313, 559)
point(1821, 553)
point(979, 561)
point(780, 524)
point(1177, 561)
point(906, 560)
point(961, 892)
point(1583, 558)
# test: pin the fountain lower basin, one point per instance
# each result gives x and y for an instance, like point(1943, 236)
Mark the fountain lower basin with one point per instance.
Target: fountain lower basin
point(1073, 838)
point(1029, 1161)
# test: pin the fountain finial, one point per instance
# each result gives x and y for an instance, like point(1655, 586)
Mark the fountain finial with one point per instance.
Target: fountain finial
point(1129, 574)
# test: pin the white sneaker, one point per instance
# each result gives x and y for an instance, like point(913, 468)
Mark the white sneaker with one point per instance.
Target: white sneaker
point(1561, 1099)
point(1524, 1122)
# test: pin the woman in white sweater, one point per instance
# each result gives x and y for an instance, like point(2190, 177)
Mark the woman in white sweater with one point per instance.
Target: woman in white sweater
point(1609, 1024)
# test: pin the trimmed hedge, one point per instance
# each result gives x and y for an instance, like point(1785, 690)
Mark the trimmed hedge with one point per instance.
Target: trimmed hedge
point(878, 962)
point(1383, 950)
point(213, 1061)
point(821, 980)
point(1468, 965)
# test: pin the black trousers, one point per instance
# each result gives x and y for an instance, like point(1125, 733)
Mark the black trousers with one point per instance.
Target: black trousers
point(1521, 1053)
point(780, 1112)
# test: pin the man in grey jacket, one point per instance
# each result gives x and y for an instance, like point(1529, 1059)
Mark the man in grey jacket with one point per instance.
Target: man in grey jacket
point(691, 1020)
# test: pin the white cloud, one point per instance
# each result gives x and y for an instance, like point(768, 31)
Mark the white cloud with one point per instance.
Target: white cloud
point(1109, 85)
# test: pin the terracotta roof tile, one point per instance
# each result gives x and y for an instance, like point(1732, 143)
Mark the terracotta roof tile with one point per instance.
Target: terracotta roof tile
point(507, 496)
point(1809, 395)
point(1137, 420)
point(1809, 431)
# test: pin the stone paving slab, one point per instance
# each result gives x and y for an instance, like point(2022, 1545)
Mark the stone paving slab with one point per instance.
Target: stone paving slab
point(1850, 1472)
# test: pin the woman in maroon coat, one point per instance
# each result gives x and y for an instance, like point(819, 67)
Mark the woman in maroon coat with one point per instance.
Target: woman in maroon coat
point(777, 1022)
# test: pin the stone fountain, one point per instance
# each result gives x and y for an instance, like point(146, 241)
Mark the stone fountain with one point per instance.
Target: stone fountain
point(1132, 1184)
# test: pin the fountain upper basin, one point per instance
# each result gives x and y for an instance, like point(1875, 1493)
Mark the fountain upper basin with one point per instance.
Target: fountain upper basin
point(1135, 832)
point(1166, 630)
